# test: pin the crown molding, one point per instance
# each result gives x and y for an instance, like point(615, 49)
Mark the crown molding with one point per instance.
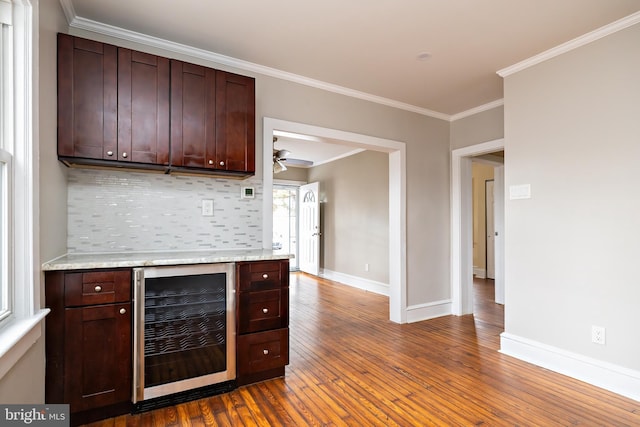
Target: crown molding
point(594, 35)
point(121, 33)
point(479, 109)
point(69, 10)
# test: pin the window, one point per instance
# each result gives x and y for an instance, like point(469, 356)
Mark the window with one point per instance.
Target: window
point(5, 235)
point(6, 145)
point(20, 313)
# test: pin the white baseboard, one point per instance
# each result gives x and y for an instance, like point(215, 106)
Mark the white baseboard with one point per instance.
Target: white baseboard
point(480, 273)
point(431, 310)
point(617, 379)
point(356, 282)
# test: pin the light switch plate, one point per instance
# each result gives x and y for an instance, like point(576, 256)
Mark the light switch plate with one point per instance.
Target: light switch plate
point(522, 191)
point(207, 207)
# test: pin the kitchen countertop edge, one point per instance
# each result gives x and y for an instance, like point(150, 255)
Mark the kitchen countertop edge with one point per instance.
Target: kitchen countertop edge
point(151, 259)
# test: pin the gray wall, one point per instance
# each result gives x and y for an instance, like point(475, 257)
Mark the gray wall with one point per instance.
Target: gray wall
point(293, 174)
point(482, 127)
point(355, 215)
point(571, 132)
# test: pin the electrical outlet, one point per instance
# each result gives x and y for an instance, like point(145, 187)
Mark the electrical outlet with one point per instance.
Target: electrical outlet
point(207, 207)
point(366, 267)
point(598, 335)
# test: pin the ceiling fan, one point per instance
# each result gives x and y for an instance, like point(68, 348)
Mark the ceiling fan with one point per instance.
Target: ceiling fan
point(280, 157)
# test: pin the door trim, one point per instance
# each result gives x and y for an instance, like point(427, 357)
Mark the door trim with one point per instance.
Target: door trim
point(397, 199)
point(487, 221)
point(462, 224)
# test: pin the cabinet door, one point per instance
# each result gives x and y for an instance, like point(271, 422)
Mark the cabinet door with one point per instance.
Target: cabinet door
point(235, 121)
point(143, 108)
point(193, 116)
point(97, 356)
point(87, 98)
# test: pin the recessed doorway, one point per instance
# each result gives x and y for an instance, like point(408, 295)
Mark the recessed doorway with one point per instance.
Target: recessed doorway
point(397, 198)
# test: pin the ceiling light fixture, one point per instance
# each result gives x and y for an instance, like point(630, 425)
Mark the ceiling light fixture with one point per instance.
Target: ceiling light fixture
point(278, 167)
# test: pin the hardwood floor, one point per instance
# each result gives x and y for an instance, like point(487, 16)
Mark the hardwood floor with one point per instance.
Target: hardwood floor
point(351, 366)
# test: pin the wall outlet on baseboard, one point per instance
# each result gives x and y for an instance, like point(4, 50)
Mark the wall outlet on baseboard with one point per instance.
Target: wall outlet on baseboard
point(598, 335)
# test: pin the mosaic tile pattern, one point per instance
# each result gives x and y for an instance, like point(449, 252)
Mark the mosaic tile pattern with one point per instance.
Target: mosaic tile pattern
point(116, 211)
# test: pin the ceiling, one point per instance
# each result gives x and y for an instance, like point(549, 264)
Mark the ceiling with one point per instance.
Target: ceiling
point(311, 149)
point(435, 57)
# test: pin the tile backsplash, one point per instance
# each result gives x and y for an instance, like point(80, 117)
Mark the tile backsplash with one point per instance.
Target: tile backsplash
point(116, 211)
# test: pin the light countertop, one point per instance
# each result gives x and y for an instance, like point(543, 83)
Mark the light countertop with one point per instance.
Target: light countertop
point(144, 259)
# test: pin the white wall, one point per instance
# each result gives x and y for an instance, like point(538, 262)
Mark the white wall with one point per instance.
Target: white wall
point(572, 131)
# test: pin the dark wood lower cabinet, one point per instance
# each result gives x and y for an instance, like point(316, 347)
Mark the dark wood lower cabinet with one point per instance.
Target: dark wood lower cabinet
point(262, 355)
point(262, 320)
point(97, 356)
point(89, 342)
point(89, 348)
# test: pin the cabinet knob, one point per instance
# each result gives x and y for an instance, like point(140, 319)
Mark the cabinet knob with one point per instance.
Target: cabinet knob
point(265, 351)
point(98, 288)
point(221, 163)
point(265, 276)
point(109, 153)
point(210, 162)
point(124, 155)
point(123, 310)
point(265, 310)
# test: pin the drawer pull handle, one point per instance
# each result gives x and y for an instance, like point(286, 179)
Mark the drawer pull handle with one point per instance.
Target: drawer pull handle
point(109, 153)
point(265, 310)
point(265, 351)
point(98, 288)
point(124, 155)
point(210, 162)
point(265, 276)
point(221, 163)
point(123, 310)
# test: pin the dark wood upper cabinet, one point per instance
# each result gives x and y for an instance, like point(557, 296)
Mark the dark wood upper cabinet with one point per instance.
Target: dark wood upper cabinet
point(87, 98)
point(120, 107)
point(193, 115)
point(235, 122)
point(143, 108)
point(212, 119)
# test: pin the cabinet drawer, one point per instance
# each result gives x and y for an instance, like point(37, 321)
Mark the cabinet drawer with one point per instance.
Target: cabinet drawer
point(262, 310)
point(263, 275)
point(97, 287)
point(262, 351)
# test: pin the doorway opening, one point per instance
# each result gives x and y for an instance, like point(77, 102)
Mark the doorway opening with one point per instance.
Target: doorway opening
point(462, 226)
point(285, 221)
point(397, 198)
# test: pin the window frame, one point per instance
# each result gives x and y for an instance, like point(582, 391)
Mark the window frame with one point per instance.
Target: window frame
point(22, 326)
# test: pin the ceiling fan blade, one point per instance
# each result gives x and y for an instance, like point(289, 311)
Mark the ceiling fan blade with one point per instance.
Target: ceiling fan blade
point(298, 162)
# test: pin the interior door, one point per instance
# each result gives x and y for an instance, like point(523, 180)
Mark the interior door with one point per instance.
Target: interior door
point(491, 231)
point(310, 228)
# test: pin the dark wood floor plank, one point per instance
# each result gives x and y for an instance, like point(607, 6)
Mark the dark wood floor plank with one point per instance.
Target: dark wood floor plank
point(351, 366)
